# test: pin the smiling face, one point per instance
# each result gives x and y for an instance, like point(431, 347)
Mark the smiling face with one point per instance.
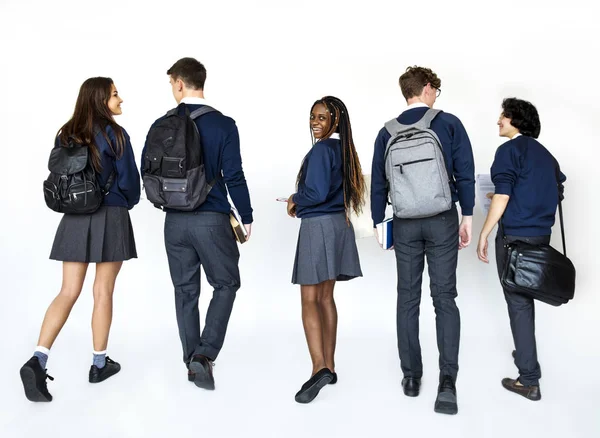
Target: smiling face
point(114, 102)
point(505, 128)
point(320, 121)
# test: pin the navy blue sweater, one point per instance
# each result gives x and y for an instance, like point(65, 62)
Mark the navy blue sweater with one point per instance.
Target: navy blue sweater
point(125, 189)
point(320, 189)
point(457, 151)
point(524, 170)
point(221, 151)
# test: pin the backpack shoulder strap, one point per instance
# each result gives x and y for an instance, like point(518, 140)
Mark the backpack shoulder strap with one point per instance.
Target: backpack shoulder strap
point(426, 120)
point(201, 111)
point(394, 127)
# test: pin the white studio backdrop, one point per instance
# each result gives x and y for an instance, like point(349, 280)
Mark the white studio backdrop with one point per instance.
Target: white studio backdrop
point(267, 63)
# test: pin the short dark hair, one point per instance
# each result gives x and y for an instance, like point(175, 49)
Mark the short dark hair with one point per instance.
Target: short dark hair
point(415, 78)
point(523, 116)
point(190, 71)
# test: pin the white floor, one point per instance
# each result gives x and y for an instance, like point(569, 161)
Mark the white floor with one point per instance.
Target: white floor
point(265, 361)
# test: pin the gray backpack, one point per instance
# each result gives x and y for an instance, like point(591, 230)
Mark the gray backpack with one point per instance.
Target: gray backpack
point(416, 170)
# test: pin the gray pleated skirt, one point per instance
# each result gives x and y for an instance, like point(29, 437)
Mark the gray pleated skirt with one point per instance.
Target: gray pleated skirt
point(103, 236)
point(326, 251)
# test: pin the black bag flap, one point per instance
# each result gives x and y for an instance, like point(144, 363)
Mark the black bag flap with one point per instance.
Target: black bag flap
point(174, 184)
point(543, 267)
point(68, 160)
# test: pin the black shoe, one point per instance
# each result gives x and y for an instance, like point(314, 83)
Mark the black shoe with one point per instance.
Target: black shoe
point(514, 354)
point(34, 378)
point(201, 373)
point(334, 379)
point(446, 398)
point(411, 386)
point(532, 393)
point(311, 389)
point(98, 375)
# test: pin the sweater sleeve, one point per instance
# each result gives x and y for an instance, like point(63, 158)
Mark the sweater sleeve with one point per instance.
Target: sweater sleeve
point(128, 177)
point(464, 168)
point(317, 181)
point(233, 175)
point(505, 169)
point(379, 188)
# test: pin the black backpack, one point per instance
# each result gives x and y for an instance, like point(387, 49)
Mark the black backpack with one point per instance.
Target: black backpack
point(174, 173)
point(72, 186)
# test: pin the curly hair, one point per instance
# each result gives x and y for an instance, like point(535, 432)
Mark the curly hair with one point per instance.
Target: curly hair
point(523, 116)
point(415, 78)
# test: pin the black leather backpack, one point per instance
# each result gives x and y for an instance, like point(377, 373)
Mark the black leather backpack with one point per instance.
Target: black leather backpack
point(72, 186)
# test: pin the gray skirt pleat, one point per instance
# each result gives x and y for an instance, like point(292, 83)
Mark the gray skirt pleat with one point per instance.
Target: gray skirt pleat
point(103, 236)
point(326, 251)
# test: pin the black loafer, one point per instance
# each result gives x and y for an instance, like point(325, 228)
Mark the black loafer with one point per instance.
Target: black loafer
point(201, 373)
point(311, 388)
point(34, 378)
point(98, 375)
point(411, 386)
point(446, 398)
point(532, 393)
point(333, 379)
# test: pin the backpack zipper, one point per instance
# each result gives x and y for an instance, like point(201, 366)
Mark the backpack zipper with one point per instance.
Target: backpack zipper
point(401, 165)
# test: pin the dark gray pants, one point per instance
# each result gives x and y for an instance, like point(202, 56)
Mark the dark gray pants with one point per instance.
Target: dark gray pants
point(202, 239)
point(521, 312)
point(437, 238)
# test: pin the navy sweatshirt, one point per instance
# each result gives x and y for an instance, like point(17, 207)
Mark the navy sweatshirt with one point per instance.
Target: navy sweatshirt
point(125, 189)
point(320, 189)
point(524, 170)
point(221, 151)
point(457, 151)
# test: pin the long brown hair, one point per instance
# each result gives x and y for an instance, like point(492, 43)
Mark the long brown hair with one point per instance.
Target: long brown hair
point(353, 180)
point(92, 113)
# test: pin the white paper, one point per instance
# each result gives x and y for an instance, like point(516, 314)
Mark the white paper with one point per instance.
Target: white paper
point(485, 187)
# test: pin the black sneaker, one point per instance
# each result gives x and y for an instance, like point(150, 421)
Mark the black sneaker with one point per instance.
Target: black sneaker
point(311, 388)
point(34, 378)
point(201, 372)
point(98, 375)
point(446, 398)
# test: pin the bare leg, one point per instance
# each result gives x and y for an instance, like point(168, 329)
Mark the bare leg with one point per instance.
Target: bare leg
point(313, 328)
point(60, 308)
point(104, 286)
point(329, 319)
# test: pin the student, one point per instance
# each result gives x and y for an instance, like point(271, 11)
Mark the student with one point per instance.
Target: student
point(104, 237)
point(330, 183)
point(204, 237)
point(438, 236)
point(527, 191)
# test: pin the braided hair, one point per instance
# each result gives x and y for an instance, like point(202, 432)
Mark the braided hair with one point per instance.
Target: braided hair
point(353, 180)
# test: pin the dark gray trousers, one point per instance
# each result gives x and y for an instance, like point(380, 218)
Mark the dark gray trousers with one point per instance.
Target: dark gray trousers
point(204, 239)
point(521, 312)
point(437, 238)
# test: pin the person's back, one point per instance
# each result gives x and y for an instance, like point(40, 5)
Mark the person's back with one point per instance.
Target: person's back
point(532, 170)
point(457, 153)
point(125, 191)
point(221, 152)
point(328, 178)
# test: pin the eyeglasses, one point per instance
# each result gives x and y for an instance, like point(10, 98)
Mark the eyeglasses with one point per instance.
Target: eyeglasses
point(438, 91)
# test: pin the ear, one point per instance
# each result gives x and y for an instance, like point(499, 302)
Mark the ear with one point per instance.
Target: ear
point(179, 85)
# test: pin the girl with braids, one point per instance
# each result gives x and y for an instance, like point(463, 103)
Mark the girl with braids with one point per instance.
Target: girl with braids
point(329, 184)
